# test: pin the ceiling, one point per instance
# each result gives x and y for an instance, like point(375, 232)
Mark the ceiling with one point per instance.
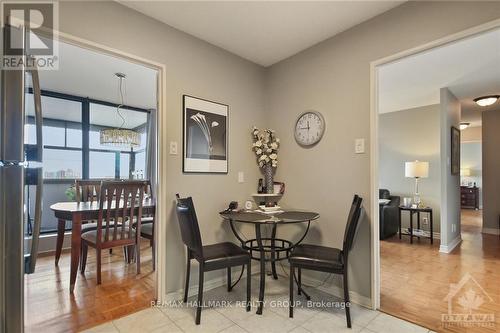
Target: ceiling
point(87, 73)
point(264, 32)
point(469, 68)
point(61, 109)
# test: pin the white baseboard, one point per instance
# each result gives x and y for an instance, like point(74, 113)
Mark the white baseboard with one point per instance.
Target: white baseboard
point(449, 247)
point(491, 231)
point(221, 281)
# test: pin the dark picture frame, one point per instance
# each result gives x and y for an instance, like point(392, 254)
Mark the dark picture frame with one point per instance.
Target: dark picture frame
point(282, 187)
point(455, 151)
point(205, 136)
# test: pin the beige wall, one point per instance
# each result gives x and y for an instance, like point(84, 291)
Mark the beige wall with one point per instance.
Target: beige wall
point(491, 170)
point(333, 77)
point(450, 184)
point(471, 134)
point(410, 135)
point(192, 67)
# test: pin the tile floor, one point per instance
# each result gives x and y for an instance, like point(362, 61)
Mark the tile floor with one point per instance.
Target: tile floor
point(234, 319)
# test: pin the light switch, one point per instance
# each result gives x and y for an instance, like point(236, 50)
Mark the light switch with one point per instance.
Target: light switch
point(241, 177)
point(173, 148)
point(359, 146)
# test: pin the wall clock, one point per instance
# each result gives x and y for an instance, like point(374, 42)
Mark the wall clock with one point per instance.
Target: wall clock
point(309, 128)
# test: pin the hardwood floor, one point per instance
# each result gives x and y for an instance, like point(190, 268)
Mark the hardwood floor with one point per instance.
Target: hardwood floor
point(49, 306)
point(415, 279)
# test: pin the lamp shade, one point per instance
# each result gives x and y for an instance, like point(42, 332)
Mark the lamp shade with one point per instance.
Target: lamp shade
point(464, 172)
point(417, 169)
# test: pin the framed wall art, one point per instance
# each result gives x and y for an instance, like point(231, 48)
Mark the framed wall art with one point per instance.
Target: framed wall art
point(455, 151)
point(205, 136)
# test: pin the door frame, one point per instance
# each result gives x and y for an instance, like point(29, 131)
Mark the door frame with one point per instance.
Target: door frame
point(374, 137)
point(161, 135)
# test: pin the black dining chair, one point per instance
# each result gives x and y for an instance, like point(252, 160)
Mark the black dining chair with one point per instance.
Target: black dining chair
point(327, 259)
point(210, 257)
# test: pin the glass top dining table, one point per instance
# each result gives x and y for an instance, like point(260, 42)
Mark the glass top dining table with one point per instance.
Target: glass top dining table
point(278, 248)
point(291, 216)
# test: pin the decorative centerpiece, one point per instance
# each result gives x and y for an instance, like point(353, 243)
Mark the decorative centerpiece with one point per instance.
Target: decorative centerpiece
point(266, 146)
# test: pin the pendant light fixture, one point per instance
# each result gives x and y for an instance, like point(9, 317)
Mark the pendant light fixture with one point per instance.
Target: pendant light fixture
point(464, 126)
point(120, 137)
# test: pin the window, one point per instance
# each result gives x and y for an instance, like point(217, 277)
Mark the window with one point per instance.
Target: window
point(64, 136)
point(62, 164)
point(61, 135)
point(102, 164)
point(125, 166)
point(74, 136)
point(140, 163)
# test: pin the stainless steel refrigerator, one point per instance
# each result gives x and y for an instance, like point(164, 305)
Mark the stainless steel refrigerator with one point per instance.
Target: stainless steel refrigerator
point(20, 176)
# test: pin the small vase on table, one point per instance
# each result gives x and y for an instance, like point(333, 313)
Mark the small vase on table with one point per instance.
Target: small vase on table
point(268, 174)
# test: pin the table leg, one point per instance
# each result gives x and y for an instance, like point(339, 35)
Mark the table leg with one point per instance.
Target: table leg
point(76, 239)
point(411, 227)
point(61, 225)
point(432, 233)
point(262, 286)
point(273, 252)
point(399, 223)
point(418, 223)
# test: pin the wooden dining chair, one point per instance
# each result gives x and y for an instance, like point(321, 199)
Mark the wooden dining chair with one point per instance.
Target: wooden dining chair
point(326, 259)
point(210, 257)
point(148, 232)
point(147, 229)
point(86, 191)
point(119, 201)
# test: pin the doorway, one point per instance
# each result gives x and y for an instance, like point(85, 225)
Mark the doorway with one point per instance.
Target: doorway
point(79, 101)
point(412, 120)
point(471, 175)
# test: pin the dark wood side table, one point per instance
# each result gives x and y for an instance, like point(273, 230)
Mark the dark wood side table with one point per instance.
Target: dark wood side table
point(469, 197)
point(417, 211)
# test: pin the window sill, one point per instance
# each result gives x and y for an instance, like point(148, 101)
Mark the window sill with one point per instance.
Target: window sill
point(59, 181)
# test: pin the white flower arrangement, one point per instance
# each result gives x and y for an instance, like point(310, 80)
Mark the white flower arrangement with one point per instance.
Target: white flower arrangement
point(266, 146)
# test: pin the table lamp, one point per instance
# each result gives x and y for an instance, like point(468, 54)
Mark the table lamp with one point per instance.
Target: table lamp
point(417, 170)
point(464, 172)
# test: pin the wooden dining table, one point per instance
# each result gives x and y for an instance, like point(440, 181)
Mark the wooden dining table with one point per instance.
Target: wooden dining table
point(85, 211)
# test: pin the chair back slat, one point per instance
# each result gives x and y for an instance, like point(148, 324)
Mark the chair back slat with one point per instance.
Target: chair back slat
point(352, 224)
point(133, 196)
point(188, 222)
point(109, 201)
point(121, 202)
point(87, 190)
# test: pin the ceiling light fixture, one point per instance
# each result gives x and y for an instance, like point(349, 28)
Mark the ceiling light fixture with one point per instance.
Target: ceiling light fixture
point(486, 100)
point(120, 136)
point(464, 126)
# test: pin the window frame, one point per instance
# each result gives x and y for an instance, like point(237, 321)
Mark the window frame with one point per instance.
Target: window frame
point(85, 128)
